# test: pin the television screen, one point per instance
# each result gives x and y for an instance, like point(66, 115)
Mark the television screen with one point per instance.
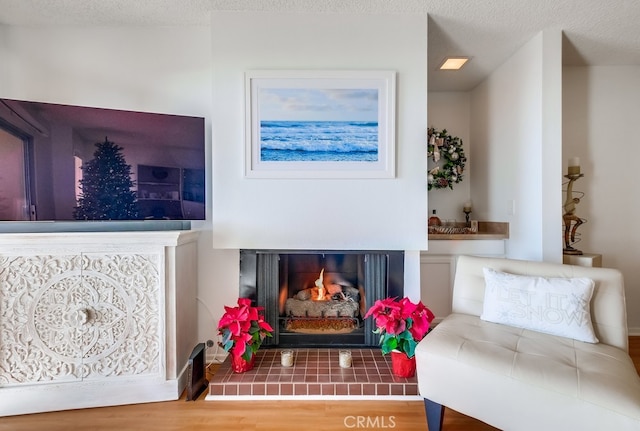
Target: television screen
point(75, 163)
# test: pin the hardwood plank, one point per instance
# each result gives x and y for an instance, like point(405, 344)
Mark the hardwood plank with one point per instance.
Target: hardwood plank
point(253, 416)
point(634, 351)
point(245, 416)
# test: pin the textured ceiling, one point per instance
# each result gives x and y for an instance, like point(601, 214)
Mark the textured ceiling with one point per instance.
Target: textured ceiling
point(596, 32)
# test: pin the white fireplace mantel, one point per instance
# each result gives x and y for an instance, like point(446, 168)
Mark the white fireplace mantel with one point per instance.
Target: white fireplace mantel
point(95, 319)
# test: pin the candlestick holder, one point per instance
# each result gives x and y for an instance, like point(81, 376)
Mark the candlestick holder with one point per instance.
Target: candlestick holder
point(466, 212)
point(569, 217)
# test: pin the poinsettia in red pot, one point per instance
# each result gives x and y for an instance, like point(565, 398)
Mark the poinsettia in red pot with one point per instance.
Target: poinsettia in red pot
point(243, 330)
point(401, 325)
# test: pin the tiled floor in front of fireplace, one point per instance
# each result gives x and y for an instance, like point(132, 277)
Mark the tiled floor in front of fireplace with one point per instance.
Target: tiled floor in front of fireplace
point(316, 374)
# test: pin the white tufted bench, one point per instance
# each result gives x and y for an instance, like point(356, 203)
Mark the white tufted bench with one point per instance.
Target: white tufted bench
point(517, 379)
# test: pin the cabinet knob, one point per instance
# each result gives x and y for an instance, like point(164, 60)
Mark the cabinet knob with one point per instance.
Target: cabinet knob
point(82, 316)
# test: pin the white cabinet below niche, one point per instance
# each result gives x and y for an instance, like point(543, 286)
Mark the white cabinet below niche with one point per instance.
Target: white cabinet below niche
point(438, 267)
point(95, 319)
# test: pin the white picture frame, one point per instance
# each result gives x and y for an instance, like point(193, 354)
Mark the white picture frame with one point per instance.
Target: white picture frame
point(320, 124)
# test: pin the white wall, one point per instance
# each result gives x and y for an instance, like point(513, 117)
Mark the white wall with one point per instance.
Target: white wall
point(517, 147)
point(601, 110)
point(166, 70)
point(318, 213)
point(313, 213)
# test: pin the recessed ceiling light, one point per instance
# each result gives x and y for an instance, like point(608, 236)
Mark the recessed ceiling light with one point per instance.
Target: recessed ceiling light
point(453, 63)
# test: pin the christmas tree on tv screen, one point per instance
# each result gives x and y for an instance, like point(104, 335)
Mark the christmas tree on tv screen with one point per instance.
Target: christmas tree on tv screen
point(106, 186)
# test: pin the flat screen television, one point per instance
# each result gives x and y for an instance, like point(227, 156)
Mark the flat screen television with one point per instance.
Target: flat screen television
point(88, 168)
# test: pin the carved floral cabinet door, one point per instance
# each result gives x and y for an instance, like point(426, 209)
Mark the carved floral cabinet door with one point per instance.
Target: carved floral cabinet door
point(70, 317)
point(122, 314)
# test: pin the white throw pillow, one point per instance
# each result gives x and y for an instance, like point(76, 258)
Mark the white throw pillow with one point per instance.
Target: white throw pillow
point(558, 306)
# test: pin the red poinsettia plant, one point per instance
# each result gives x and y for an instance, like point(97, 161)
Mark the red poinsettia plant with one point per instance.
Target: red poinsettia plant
point(243, 329)
point(400, 323)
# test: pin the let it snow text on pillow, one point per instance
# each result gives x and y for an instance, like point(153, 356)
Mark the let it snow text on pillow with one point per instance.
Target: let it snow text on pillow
point(557, 306)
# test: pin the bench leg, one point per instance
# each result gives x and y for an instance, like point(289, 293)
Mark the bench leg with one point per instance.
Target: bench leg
point(435, 415)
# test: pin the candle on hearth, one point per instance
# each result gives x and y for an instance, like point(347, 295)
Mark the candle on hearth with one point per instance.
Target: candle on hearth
point(345, 358)
point(467, 207)
point(286, 358)
point(574, 166)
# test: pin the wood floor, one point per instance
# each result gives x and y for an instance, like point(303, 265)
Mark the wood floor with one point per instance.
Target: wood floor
point(249, 416)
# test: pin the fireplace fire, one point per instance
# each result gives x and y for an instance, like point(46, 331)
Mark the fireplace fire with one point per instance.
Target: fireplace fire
point(319, 298)
point(332, 305)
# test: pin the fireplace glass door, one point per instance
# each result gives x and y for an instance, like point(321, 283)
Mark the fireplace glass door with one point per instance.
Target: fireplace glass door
point(319, 298)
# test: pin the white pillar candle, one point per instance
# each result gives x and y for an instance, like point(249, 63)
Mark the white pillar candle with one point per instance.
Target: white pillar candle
point(286, 358)
point(574, 166)
point(345, 358)
point(467, 206)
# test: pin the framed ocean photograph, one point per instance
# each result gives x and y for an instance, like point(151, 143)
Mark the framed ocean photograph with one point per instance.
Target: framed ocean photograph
point(320, 124)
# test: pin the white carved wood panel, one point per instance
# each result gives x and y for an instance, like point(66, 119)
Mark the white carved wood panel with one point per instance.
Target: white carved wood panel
point(66, 317)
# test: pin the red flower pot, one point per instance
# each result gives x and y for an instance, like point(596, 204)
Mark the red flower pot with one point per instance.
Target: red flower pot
point(240, 365)
point(401, 365)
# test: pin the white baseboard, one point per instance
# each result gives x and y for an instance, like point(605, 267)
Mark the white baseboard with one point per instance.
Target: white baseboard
point(634, 332)
point(46, 397)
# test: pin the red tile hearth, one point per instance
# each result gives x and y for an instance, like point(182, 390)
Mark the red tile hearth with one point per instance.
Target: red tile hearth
point(316, 374)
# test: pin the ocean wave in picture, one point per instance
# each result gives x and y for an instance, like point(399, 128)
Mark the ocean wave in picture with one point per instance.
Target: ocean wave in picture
point(330, 141)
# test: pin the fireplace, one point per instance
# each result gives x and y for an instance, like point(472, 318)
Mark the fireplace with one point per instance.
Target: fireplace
point(318, 298)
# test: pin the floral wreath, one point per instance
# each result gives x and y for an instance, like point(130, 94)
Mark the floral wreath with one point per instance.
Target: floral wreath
point(444, 148)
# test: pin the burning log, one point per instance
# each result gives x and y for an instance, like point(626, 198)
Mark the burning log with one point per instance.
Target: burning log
point(300, 308)
point(320, 325)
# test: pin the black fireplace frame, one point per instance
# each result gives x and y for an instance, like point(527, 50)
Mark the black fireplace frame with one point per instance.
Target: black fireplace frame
point(259, 281)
